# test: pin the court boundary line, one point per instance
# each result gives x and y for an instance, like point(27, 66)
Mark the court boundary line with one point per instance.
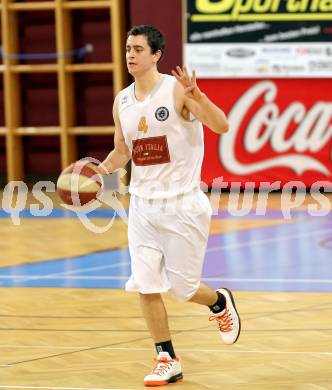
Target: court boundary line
point(179, 349)
point(64, 275)
point(27, 278)
point(60, 388)
point(20, 278)
point(266, 240)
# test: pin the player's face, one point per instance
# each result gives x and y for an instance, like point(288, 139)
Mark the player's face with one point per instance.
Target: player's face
point(139, 56)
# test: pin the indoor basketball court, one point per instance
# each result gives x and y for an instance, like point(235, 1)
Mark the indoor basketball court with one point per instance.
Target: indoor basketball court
point(66, 322)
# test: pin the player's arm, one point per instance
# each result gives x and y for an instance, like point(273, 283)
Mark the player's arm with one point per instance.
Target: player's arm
point(120, 155)
point(196, 102)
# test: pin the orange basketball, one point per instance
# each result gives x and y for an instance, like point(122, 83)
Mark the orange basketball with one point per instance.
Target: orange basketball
point(79, 184)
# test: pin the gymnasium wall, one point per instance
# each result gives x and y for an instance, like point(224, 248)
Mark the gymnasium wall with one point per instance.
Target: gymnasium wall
point(166, 16)
point(93, 91)
point(2, 139)
point(306, 158)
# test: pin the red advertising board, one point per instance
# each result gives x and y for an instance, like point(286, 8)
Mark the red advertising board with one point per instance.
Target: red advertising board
point(280, 130)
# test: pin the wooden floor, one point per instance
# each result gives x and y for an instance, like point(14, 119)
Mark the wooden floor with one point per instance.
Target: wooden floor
point(78, 338)
point(95, 338)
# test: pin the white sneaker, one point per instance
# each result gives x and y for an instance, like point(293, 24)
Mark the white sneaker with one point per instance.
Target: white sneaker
point(167, 370)
point(228, 320)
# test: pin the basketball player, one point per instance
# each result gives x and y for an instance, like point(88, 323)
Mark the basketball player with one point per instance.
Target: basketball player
point(158, 121)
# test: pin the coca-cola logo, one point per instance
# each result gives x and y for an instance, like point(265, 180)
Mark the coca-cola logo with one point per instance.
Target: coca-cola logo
point(269, 125)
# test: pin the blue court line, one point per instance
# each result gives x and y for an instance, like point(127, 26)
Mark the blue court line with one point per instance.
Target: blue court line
point(286, 257)
point(279, 258)
point(109, 213)
point(59, 213)
point(69, 272)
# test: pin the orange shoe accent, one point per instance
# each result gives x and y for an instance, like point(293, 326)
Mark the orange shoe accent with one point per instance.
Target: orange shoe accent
point(167, 370)
point(155, 383)
point(224, 321)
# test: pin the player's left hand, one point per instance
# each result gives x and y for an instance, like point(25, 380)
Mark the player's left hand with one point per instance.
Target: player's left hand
point(189, 84)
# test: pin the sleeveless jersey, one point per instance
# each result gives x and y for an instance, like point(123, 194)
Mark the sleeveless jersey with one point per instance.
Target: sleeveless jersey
point(167, 151)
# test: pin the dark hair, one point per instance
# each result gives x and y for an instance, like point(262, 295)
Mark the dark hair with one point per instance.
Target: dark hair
point(154, 37)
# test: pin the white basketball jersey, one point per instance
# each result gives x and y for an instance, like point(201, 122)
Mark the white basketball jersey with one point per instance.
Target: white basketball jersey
point(167, 151)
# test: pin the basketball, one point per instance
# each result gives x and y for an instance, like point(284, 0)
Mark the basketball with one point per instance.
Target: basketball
point(79, 184)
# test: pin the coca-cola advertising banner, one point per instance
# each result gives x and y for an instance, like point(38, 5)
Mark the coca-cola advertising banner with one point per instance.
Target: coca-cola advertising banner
point(259, 38)
point(280, 130)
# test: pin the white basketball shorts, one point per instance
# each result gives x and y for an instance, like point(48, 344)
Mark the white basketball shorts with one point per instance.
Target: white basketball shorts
point(167, 243)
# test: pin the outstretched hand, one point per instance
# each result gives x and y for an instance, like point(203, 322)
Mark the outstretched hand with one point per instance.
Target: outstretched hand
point(189, 84)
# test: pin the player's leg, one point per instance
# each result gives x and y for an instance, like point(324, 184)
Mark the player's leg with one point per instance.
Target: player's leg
point(205, 295)
point(168, 368)
point(185, 241)
point(155, 315)
point(149, 279)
